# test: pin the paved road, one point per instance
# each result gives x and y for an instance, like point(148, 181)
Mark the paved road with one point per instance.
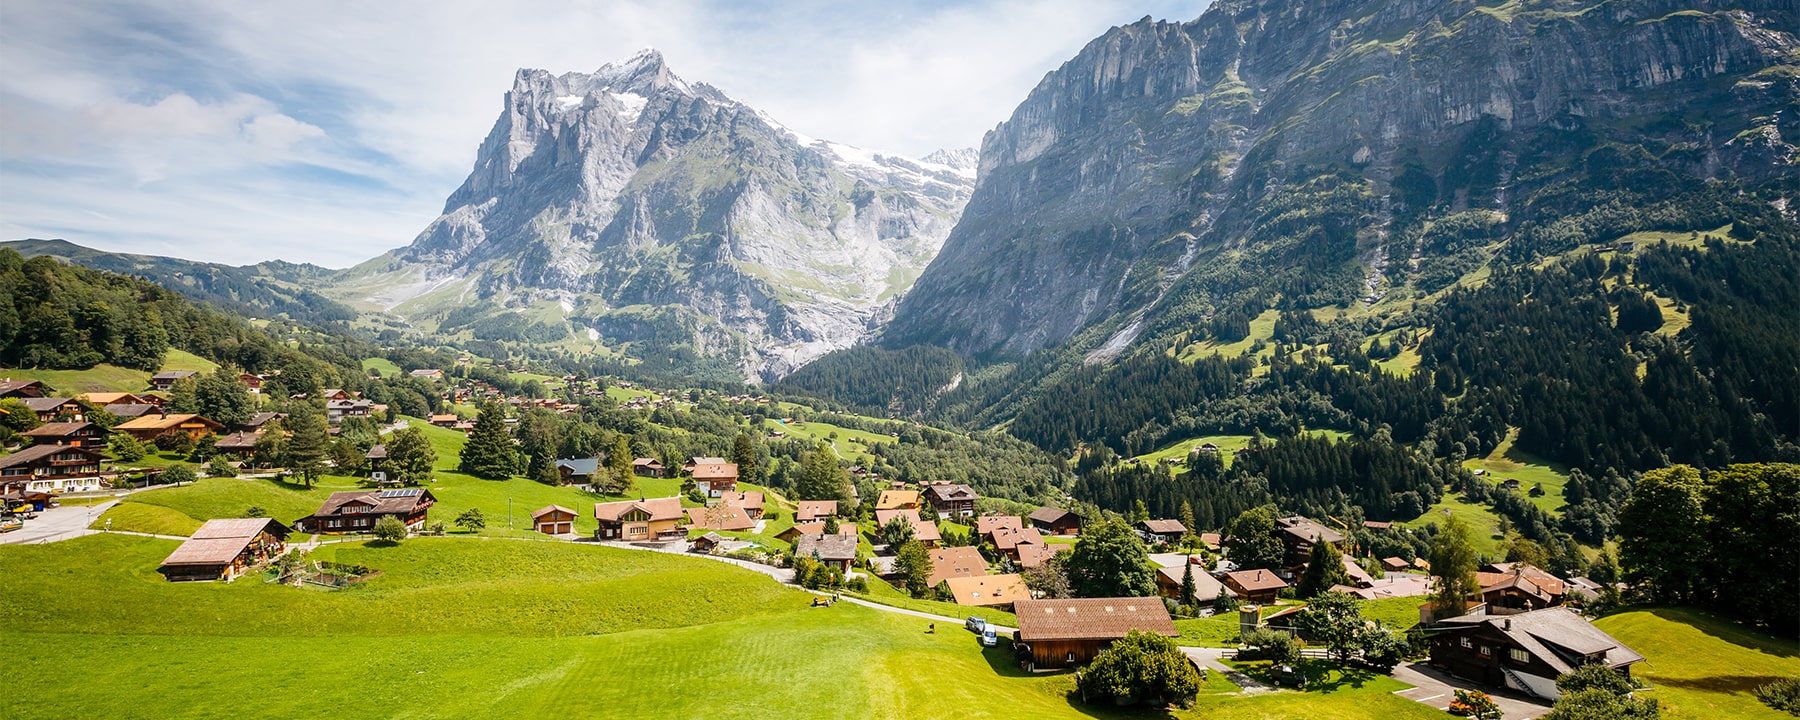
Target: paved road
point(57, 523)
point(1437, 689)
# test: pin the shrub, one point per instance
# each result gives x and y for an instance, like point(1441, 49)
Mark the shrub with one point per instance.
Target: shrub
point(390, 529)
point(858, 584)
point(1594, 677)
point(255, 511)
point(1141, 667)
point(175, 442)
point(1273, 645)
point(1475, 704)
point(220, 467)
point(179, 474)
point(696, 496)
point(124, 447)
point(1783, 695)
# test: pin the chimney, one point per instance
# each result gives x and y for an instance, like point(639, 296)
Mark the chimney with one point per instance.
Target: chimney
point(1508, 624)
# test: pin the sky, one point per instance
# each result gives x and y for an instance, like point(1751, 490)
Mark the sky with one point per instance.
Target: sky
point(330, 132)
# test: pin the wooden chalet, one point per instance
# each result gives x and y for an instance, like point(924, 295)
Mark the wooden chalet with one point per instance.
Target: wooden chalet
point(148, 428)
point(337, 410)
point(1008, 541)
point(1527, 651)
point(838, 551)
point(986, 525)
point(951, 500)
point(72, 434)
point(653, 519)
point(1206, 587)
point(995, 591)
point(1055, 521)
point(254, 382)
point(811, 510)
point(359, 510)
point(721, 516)
point(1299, 534)
point(226, 549)
point(102, 399)
point(1517, 587)
point(48, 409)
point(53, 469)
point(715, 479)
point(925, 532)
point(1030, 556)
point(816, 527)
point(127, 411)
point(165, 380)
point(427, 373)
point(647, 467)
point(577, 470)
point(241, 444)
point(1394, 564)
point(447, 420)
point(751, 502)
point(553, 520)
point(897, 500)
point(1061, 633)
point(1160, 531)
point(10, 388)
point(260, 421)
point(955, 562)
point(1255, 586)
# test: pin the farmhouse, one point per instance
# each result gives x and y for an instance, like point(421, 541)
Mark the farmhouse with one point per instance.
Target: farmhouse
point(924, 532)
point(22, 388)
point(1008, 540)
point(1298, 534)
point(72, 434)
point(750, 502)
point(897, 500)
point(955, 562)
point(427, 373)
point(1526, 651)
point(101, 399)
point(715, 479)
point(1256, 586)
point(722, 516)
point(811, 510)
point(1517, 587)
point(577, 470)
point(127, 411)
point(653, 519)
point(647, 467)
point(1160, 531)
point(260, 421)
point(838, 551)
point(254, 382)
point(167, 379)
point(951, 500)
point(1394, 564)
point(1206, 587)
point(226, 549)
point(1060, 633)
point(1055, 521)
point(553, 520)
point(359, 510)
point(337, 410)
point(1030, 556)
point(150, 427)
point(48, 409)
point(1399, 586)
point(52, 469)
point(446, 420)
point(995, 591)
point(241, 444)
point(987, 524)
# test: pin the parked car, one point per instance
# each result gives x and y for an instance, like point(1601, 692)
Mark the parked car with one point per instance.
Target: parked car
point(975, 624)
point(988, 638)
point(1287, 675)
point(10, 523)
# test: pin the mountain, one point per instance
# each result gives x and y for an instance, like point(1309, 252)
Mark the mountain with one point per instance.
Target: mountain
point(274, 288)
point(628, 210)
point(1174, 180)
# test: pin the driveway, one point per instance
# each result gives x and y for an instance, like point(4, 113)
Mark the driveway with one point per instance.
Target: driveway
point(1209, 659)
point(57, 523)
point(1437, 689)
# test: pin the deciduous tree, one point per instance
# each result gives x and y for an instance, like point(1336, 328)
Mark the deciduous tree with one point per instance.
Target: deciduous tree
point(1453, 563)
point(1110, 561)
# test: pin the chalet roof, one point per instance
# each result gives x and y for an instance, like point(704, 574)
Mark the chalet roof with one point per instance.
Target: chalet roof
point(401, 501)
point(173, 374)
point(752, 500)
point(165, 422)
point(950, 492)
point(883, 516)
point(1307, 530)
point(426, 372)
point(668, 508)
point(262, 418)
point(1542, 578)
point(811, 509)
point(377, 451)
point(980, 590)
point(715, 471)
point(1357, 574)
point(1091, 618)
point(445, 418)
point(893, 499)
point(59, 429)
point(707, 460)
point(952, 562)
point(580, 466)
point(1256, 580)
point(1008, 538)
point(1412, 586)
point(925, 531)
point(45, 404)
point(646, 463)
point(720, 517)
point(1163, 527)
point(827, 547)
point(237, 441)
point(1049, 515)
point(39, 452)
point(1210, 540)
point(1557, 636)
point(109, 398)
point(8, 387)
point(219, 541)
point(129, 410)
point(987, 524)
point(547, 509)
point(1031, 556)
point(1206, 587)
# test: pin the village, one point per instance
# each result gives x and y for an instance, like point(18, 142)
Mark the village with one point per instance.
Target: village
point(927, 549)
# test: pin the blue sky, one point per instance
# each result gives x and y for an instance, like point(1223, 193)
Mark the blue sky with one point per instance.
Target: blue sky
point(330, 132)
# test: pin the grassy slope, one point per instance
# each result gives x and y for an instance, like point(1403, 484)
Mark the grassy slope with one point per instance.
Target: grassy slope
point(536, 629)
point(112, 378)
point(1703, 666)
point(852, 445)
point(387, 367)
point(1479, 517)
point(1508, 462)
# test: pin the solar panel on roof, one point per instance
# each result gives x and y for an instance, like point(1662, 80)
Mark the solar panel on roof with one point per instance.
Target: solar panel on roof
point(408, 492)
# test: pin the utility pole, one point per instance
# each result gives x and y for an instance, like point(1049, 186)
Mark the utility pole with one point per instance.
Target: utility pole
point(509, 513)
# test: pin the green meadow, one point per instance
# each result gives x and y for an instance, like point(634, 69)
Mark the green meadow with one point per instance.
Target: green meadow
point(1701, 666)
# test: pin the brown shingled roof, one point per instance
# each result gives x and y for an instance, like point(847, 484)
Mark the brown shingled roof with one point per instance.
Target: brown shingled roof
point(827, 547)
point(219, 541)
point(1091, 618)
point(668, 508)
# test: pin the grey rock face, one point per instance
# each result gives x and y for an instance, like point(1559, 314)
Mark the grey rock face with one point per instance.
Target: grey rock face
point(1144, 159)
point(630, 189)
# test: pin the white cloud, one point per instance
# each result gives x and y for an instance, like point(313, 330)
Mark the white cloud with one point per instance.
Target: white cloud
point(331, 131)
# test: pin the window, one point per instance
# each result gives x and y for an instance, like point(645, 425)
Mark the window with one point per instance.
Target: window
point(1466, 643)
point(1069, 658)
point(1486, 651)
point(1519, 656)
point(334, 523)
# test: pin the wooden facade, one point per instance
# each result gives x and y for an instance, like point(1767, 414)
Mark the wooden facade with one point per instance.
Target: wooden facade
point(629, 520)
point(52, 468)
point(358, 511)
point(554, 520)
point(226, 549)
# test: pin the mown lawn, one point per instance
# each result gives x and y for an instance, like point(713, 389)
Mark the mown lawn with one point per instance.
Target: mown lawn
point(1507, 462)
point(1703, 666)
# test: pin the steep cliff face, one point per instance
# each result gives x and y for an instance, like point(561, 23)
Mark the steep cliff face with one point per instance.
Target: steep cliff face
point(1296, 154)
point(630, 209)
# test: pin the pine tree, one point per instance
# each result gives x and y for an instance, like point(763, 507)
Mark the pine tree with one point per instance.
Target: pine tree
point(489, 453)
point(821, 478)
point(914, 564)
point(306, 450)
point(618, 464)
point(1187, 584)
point(221, 397)
point(542, 467)
point(743, 452)
point(1325, 569)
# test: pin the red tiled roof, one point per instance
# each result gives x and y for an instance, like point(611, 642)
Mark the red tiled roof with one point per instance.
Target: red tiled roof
point(1091, 618)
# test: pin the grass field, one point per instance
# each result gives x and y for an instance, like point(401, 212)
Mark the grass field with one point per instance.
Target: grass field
point(1480, 518)
point(1703, 667)
point(852, 445)
point(111, 378)
point(1178, 450)
point(1509, 462)
point(386, 367)
point(484, 628)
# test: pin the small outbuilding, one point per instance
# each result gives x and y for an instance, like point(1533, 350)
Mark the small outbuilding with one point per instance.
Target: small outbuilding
point(553, 520)
point(226, 549)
